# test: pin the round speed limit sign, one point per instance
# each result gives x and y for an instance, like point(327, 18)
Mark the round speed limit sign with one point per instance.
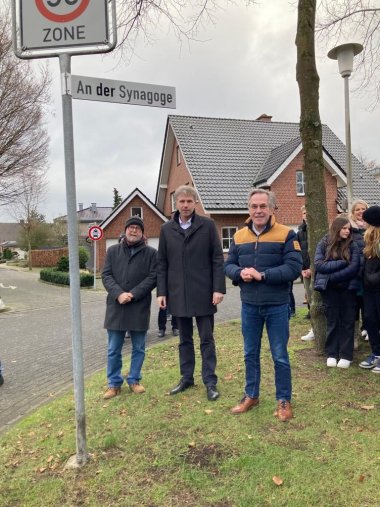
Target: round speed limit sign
point(95, 233)
point(62, 11)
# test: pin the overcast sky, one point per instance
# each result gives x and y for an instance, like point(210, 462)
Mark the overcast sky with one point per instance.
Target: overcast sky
point(242, 66)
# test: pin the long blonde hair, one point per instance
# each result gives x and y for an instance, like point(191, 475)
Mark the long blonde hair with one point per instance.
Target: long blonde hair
point(372, 241)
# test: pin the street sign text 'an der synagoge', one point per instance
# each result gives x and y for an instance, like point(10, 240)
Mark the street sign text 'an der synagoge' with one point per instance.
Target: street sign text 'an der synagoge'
point(50, 27)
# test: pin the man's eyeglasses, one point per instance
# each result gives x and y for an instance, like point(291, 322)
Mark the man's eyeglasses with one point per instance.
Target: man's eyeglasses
point(259, 206)
point(134, 228)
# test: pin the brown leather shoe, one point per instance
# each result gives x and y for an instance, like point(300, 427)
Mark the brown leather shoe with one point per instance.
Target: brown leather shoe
point(111, 393)
point(245, 404)
point(137, 388)
point(284, 410)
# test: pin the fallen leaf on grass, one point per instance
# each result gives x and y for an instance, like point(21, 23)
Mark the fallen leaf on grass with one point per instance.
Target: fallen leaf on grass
point(208, 411)
point(250, 437)
point(229, 376)
point(191, 444)
point(277, 480)
point(41, 470)
point(50, 459)
point(361, 478)
point(367, 407)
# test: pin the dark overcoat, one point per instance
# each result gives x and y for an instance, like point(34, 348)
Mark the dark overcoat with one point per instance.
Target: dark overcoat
point(190, 266)
point(129, 270)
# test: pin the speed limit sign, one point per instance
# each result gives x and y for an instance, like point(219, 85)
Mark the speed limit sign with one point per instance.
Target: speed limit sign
point(95, 233)
point(47, 27)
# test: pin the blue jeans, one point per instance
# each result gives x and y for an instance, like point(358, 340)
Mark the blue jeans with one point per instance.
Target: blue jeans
point(114, 360)
point(276, 320)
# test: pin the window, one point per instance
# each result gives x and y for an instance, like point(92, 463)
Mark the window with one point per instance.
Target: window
point(178, 155)
point(136, 212)
point(227, 235)
point(172, 201)
point(300, 183)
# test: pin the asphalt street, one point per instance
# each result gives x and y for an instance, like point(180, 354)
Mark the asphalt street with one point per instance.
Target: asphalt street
point(35, 338)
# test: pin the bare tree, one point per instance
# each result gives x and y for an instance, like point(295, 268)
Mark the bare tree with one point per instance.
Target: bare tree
point(354, 21)
point(311, 136)
point(142, 18)
point(32, 188)
point(23, 97)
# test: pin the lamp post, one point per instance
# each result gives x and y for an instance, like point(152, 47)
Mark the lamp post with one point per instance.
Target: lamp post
point(345, 55)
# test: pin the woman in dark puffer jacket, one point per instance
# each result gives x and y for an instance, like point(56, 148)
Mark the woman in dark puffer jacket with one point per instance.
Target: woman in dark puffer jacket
point(337, 264)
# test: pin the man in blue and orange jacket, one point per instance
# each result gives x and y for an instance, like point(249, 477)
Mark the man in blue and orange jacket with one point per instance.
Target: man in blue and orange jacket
point(264, 258)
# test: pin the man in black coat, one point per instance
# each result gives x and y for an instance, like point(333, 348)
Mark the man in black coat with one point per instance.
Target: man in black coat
point(129, 276)
point(191, 281)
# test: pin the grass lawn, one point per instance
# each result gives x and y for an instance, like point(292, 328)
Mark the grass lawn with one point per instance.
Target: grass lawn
point(156, 450)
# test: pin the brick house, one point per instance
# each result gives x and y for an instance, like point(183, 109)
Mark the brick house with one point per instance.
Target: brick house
point(114, 225)
point(223, 158)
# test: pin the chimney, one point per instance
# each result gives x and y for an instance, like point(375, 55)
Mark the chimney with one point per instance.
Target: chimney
point(93, 207)
point(264, 117)
point(80, 205)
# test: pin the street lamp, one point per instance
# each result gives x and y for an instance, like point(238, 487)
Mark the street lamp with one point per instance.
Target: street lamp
point(345, 55)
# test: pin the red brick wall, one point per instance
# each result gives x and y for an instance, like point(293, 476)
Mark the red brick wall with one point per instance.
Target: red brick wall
point(48, 258)
point(289, 203)
point(152, 225)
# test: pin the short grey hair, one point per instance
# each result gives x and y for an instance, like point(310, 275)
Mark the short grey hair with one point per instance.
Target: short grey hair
point(271, 197)
point(186, 190)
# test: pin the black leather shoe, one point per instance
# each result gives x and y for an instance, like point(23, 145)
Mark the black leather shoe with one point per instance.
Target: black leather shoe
point(161, 333)
point(212, 393)
point(181, 386)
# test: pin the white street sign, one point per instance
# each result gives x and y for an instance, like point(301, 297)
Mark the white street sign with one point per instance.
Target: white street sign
point(123, 92)
point(50, 27)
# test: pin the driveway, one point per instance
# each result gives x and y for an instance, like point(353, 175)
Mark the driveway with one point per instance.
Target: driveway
point(35, 338)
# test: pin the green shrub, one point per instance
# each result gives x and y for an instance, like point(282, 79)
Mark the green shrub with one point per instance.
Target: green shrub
point(52, 275)
point(83, 257)
point(7, 254)
point(63, 264)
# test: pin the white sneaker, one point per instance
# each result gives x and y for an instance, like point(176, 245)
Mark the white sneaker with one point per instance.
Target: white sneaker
point(343, 363)
point(331, 362)
point(364, 333)
point(308, 337)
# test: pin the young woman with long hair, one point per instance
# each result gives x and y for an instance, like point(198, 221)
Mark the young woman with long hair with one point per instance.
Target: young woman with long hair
point(337, 264)
point(371, 286)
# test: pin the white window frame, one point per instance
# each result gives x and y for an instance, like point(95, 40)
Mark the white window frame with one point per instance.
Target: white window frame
point(178, 155)
point(172, 202)
point(229, 235)
point(139, 214)
point(300, 182)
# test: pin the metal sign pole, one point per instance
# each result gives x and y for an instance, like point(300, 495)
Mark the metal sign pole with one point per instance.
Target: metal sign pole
point(94, 264)
point(77, 346)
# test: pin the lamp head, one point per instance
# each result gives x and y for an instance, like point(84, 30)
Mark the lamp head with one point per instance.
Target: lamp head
point(345, 55)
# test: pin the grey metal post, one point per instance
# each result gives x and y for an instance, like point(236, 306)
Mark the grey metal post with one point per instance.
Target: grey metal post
point(348, 142)
point(76, 322)
point(94, 264)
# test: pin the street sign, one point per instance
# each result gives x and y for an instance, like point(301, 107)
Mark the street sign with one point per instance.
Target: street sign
point(51, 27)
point(95, 233)
point(123, 92)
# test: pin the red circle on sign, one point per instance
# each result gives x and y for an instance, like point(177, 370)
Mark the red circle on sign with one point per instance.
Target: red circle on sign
point(95, 233)
point(62, 18)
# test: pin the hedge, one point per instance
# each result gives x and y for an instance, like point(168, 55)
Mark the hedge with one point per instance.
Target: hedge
point(52, 275)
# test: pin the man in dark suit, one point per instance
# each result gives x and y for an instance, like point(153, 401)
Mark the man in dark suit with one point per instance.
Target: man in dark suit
point(191, 281)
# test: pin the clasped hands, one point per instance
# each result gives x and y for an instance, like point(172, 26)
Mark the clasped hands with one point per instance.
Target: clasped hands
point(217, 297)
point(249, 274)
point(125, 297)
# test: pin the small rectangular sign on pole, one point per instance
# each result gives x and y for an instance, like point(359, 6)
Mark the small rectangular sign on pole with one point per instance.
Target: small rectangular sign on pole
point(122, 92)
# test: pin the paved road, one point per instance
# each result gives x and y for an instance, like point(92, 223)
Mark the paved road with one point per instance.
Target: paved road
point(35, 338)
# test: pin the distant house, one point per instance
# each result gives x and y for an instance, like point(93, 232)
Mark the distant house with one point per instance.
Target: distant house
point(223, 158)
point(113, 226)
point(10, 237)
point(86, 217)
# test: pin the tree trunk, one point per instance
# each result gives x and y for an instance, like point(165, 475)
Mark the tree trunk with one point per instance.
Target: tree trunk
point(311, 136)
point(29, 252)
